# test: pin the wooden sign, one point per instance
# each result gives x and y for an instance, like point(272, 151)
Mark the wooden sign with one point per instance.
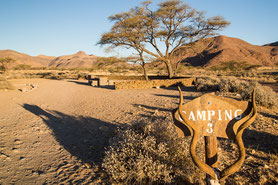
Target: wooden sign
point(213, 115)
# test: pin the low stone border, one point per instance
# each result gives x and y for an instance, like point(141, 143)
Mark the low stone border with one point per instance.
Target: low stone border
point(142, 84)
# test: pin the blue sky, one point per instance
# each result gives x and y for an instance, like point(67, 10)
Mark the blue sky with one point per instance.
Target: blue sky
point(62, 27)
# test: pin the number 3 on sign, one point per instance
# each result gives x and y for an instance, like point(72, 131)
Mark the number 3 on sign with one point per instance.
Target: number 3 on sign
point(209, 130)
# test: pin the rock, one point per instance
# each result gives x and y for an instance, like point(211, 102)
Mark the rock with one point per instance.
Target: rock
point(103, 128)
point(156, 112)
point(87, 165)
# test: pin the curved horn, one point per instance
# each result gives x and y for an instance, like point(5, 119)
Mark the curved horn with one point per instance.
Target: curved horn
point(180, 110)
point(246, 122)
point(192, 127)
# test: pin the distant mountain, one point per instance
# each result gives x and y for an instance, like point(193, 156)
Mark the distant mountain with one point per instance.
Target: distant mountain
point(21, 58)
point(207, 52)
point(44, 59)
point(216, 50)
point(80, 59)
point(272, 44)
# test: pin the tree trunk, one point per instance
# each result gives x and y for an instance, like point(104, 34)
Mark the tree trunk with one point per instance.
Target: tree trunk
point(169, 69)
point(176, 69)
point(145, 71)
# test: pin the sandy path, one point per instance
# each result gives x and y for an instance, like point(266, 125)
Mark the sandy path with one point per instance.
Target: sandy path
point(54, 130)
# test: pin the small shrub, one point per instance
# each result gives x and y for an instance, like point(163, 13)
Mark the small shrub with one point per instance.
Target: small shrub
point(265, 96)
point(149, 152)
point(5, 85)
point(207, 84)
point(5, 63)
point(234, 65)
point(232, 85)
point(22, 67)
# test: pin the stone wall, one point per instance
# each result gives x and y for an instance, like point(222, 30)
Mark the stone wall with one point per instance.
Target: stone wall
point(142, 84)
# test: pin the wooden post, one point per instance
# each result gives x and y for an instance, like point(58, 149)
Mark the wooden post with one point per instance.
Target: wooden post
point(90, 79)
point(211, 152)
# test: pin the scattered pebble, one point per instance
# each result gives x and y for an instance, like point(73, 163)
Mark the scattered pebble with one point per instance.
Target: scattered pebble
point(104, 128)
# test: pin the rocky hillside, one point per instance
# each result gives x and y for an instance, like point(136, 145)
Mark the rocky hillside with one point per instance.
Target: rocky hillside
point(44, 59)
point(21, 58)
point(80, 59)
point(214, 51)
point(272, 44)
point(209, 52)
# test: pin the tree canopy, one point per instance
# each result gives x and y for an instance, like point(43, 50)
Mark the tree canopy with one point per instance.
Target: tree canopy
point(4, 63)
point(160, 33)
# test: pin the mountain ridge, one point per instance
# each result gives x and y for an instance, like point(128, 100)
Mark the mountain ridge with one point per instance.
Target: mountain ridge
point(79, 59)
point(216, 50)
point(207, 53)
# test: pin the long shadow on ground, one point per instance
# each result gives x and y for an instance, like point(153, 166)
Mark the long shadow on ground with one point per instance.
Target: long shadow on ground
point(183, 89)
point(84, 137)
point(87, 84)
point(152, 108)
point(79, 82)
point(262, 141)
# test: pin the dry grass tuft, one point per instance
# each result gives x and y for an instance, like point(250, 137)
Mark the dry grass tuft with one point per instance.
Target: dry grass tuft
point(265, 96)
point(149, 152)
point(5, 85)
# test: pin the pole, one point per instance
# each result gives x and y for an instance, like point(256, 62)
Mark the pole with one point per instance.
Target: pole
point(211, 155)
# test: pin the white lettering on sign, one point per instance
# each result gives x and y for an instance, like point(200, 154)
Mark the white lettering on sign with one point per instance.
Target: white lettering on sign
point(180, 118)
point(210, 130)
point(238, 117)
point(191, 116)
point(210, 114)
point(225, 114)
point(201, 116)
point(219, 115)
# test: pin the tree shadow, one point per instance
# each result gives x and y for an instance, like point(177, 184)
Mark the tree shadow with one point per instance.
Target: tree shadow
point(87, 84)
point(84, 137)
point(183, 88)
point(111, 87)
point(258, 141)
point(269, 115)
point(80, 83)
point(152, 108)
point(177, 96)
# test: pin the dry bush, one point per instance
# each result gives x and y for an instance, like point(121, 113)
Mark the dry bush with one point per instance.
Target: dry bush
point(265, 96)
point(234, 65)
point(149, 152)
point(233, 85)
point(4, 84)
point(207, 84)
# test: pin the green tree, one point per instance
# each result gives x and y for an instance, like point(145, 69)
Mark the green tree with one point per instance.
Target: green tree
point(4, 64)
point(160, 33)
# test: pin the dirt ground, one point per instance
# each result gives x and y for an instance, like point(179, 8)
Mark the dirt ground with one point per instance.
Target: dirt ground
point(56, 131)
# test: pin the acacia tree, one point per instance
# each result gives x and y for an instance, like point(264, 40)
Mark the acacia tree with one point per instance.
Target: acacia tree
point(4, 64)
point(129, 32)
point(160, 33)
